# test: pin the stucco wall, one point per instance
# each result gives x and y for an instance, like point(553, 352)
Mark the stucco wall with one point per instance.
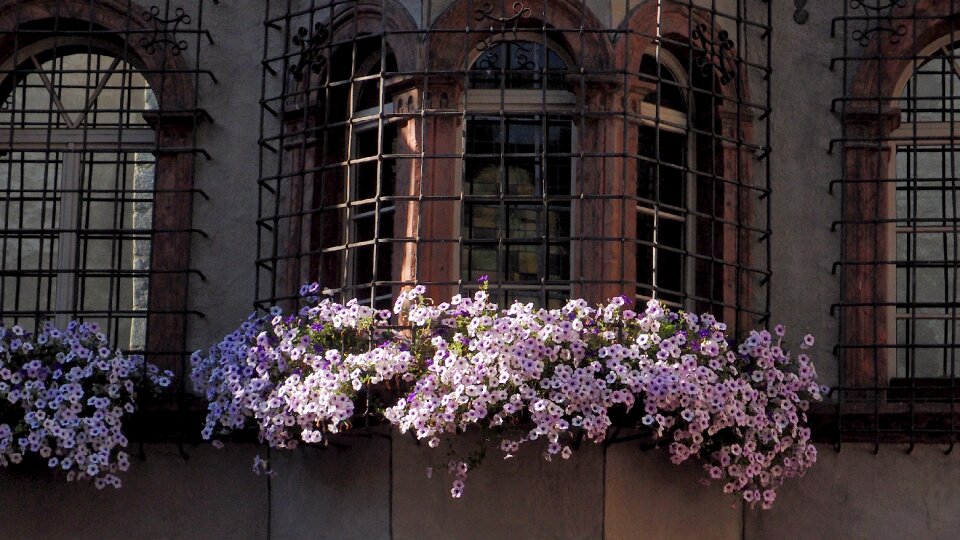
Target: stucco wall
point(804, 247)
point(347, 493)
point(229, 178)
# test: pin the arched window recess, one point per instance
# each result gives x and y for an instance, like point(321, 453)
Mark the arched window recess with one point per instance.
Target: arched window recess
point(97, 150)
point(338, 174)
point(526, 73)
point(518, 170)
point(666, 185)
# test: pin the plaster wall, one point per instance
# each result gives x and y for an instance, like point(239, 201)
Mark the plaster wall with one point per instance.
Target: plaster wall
point(857, 494)
point(229, 178)
point(802, 212)
point(376, 488)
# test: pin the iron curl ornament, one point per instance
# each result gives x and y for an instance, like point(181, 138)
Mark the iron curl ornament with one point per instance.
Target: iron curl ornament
point(508, 23)
point(716, 53)
point(311, 44)
point(165, 31)
point(800, 15)
point(878, 20)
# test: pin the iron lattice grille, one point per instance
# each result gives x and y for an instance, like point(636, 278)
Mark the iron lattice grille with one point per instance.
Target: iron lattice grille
point(898, 192)
point(527, 141)
point(98, 105)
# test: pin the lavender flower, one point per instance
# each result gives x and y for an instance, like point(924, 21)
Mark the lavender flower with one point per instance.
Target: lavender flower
point(65, 395)
point(550, 375)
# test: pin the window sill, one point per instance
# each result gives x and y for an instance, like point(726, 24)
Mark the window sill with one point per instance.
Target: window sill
point(886, 422)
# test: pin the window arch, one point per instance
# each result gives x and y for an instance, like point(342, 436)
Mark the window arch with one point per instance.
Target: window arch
point(518, 166)
point(78, 172)
point(664, 183)
point(98, 107)
point(924, 218)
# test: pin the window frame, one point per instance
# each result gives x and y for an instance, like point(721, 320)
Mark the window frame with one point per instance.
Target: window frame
point(522, 103)
point(871, 399)
point(72, 145)
point(175, 85)
point(662, 118)
point(917, 134)
point(360, 121)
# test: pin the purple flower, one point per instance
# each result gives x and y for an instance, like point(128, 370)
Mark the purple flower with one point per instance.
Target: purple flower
point(470, 364)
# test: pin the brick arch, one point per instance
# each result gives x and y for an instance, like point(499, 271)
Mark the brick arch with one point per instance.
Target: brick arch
point(122, 24)
point(377, 17)
point(640, 28)
point(449, 52)
point(167, 74)
point(368, 18)
point(888, 63)
point(725, 137)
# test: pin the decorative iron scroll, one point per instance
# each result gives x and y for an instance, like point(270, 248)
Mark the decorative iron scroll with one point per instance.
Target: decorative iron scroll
point(508, 23)
point(311, 50)
point(716, 53)
point(877, 19)
point(165, 31)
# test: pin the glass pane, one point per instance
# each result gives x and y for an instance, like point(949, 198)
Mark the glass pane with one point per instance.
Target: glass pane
point(523, 263)
point(30, 209)
point(523, 222)
point(483, 176)
point(661, 219)
point(479, 260)
point(517, 64)
point(926, 253)
point(669, 93)
point(661, 174)
point(114, 243)
point(930, 353)
point(930, 94)
point(85, 90)
point(373, 219)
point(483, 222)
point(533, 171)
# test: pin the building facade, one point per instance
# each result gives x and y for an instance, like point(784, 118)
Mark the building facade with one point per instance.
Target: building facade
point(166, 167)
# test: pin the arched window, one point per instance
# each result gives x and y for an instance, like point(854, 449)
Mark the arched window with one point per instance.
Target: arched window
point(517, 147)
point(77, 177)
point(925, 217)
point(518, 165)
point(347, 151)
point(370, 179)
point(664, 184)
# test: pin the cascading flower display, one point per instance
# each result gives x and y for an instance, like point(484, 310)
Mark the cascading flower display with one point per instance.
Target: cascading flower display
point(298, 376)
point(64, 395)
point(522, 374)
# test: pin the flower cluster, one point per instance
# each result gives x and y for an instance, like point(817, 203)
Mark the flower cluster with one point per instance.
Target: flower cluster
point(297, 376)
point(64, 395)
point(524, 374)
